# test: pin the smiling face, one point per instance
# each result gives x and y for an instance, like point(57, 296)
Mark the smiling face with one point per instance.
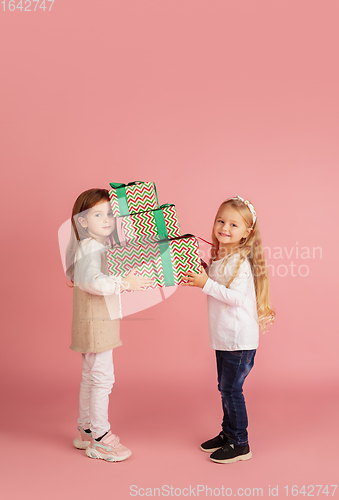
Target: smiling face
point(99, 221)
point(229, 228)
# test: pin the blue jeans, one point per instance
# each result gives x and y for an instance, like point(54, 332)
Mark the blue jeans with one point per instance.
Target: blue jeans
point(233, 367)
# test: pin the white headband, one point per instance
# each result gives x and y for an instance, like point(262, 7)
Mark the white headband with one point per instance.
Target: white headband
point(248, 205)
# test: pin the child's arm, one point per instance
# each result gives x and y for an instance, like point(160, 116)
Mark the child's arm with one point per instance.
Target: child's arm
point(88, 275)
point(90, 278)
point(234, 296)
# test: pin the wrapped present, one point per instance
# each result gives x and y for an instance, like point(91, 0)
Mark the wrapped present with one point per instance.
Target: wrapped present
point(157, 224)
point(165, 261)
point(133, 197)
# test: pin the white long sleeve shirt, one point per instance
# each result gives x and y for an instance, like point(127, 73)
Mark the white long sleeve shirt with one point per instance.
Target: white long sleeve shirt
point(91, 272)
point(232, 312)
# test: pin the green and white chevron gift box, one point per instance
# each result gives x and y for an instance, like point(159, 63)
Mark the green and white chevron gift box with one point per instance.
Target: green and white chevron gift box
point(165, 261)
point(154, 225)
point(133, 197)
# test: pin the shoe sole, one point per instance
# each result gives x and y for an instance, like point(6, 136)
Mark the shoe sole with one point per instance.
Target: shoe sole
point(81, 445)
point(232, 460)
point(108, 458)
point(210, 450)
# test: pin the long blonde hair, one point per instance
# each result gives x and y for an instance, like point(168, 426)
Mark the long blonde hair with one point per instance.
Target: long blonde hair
point(83, 203)
point(249, 248)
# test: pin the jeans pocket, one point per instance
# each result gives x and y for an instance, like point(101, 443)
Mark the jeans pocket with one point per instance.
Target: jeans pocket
point(237, 353)
point(250, 356)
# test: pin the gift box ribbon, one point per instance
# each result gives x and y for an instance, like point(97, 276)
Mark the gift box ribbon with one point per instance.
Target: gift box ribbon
point(165, 255)
point(166, 261)
point(160, 220)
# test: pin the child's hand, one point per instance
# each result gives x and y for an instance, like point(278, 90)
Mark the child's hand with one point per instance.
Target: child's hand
point(196, 279)
point(137, 282)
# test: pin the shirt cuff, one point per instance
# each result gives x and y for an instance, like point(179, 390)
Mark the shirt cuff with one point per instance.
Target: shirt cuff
point(109, 285)
point(207, 286)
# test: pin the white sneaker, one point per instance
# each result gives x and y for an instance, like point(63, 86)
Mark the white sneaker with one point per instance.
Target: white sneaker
point(108, 448)
point(83, 439)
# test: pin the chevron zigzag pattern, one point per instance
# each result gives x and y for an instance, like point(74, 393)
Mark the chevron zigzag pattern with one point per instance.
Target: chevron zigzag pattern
point(145, 256)
point(185, 257)
point(139, 197)
point(142, 225)
point(127, 224)
point(171, 221)
point(114, 202)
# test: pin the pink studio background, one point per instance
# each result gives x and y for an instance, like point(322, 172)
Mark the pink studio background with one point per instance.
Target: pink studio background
point(208, 99)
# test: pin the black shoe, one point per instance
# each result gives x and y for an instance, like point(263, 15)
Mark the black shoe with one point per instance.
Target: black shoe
point(231, 453)
point(215, 443)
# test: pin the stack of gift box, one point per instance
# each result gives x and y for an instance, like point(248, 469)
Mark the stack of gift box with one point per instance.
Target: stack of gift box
point(150, 238)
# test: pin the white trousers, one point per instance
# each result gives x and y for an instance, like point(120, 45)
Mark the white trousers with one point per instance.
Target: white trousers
point(95, 387)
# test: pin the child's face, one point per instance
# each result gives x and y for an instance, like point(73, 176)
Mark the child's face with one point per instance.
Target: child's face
point(229, 227)
point(99, 221)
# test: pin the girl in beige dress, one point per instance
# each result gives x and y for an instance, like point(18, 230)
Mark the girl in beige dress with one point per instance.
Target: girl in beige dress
point(96, 319)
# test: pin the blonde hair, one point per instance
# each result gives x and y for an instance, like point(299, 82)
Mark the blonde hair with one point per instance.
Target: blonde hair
point(249, 248)
point(86, 200)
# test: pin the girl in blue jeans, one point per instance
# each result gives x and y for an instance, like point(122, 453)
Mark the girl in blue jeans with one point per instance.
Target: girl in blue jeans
point(236, 284)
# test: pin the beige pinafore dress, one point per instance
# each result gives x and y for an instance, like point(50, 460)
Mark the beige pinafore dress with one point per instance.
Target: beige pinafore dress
point(93, 329)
